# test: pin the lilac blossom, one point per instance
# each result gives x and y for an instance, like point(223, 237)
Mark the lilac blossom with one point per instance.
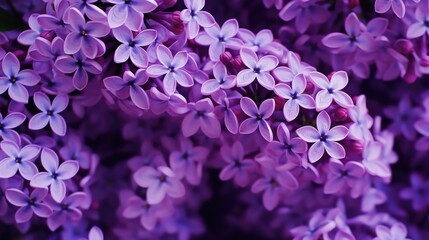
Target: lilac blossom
point(201, 116)
point(130, 84)
point(317, 226)
point(56, 174)
point(398, 7)
point(172, 69)
point(418, 193)
point(398, 231)
point(304, 13)
point(403, 118)
point(11, 121)
point(129, 12)
point(84, 35)
point(159, 182)
point(219, 38)
point(224, 110)
point(257, 117)
point(68, 209)
point(257, 68)
point(131, 47)
point(288, 149)
point(50, 113)
point(238, 167)
point(331, 90)
point(341, 175)
point(373, 162)
point(28, 36)
point(18, 159)
point(221, 80)
point(295, 97)
point(195, 18)
point(362, 122)
point(420, 27)
point(323, 138)
point(16, 81)
point(89, 8)
point(28, 204)
point(422, 127)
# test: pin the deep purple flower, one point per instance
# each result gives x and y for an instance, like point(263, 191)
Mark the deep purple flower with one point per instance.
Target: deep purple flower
point(341, 175)
point(317, 226)
point(14, 80)
point(129, 12)
point(74, 149)
point(274, 183)
point(398, 231)
point(172, 68)
point(131, 47)
point(288, 150)
point(188, 161)
point(66, 210)
point(12, 120)
point(28, 203)
point(161, 102)
point(221, 80)
point(418, 193)
point(195, 18)
point(398, 7)
point(80, 66)
point(149, 213)
point(55, 22)
point(159, 183)
point(55, 175)
point(331, 90)
point(323, 138)
point(219, 38)
point(304, 13)
point(356, 37)
point(50, 113)
point(18, 159)
point(47, 51)
point(84, 35)
point(129, 85)
point(403, 118)
point(258, 117)
point(257, 68)
point(238, 167)
point(201, 116)
point(295, 97)
point(224, 110)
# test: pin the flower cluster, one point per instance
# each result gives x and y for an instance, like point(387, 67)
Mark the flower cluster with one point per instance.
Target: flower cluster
point(152, 119)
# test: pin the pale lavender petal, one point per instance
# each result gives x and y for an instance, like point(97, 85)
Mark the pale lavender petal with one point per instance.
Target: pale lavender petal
point(16, 197)
point(58, 190)
point(316, 152)
point(41, 180)
point(67, 169)
point(38, 121)
point(23, 214)
point(27, 170)
point(18, 93)
point(308, 134)
point(335, 150)
point(248, 126)
point(58, 124)
point(139, 97)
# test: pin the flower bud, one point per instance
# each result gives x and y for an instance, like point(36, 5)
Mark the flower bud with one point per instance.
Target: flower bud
point(404, 46)
point(340, 114)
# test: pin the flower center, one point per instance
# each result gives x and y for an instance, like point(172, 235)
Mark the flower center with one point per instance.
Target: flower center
point(49, 113)
point(54, 175)
point(274, 183)
point(259, 117)
point(237, 163)
point(83, 33)
point(13, 80)
point(127, 1)
point(31, 201)
point(18, 159)
point(323, 137)
point(132, 44)
point(256, 70)
point(294, 95)
point(162, 178)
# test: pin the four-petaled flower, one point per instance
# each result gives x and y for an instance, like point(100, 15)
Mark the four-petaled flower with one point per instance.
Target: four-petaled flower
point(323, 138)
point(258, 117)
point(288, 150)
point(331, 90)
point(18, 159)
point(12, 120)
point(66, 210)
point(398, 7)
point(28, 204)
point(50, 113)
point(421, 27)
point(171, 67)
point(341, 175)
point(56, 174)
point(159, 183)
point(14, 80)
point(129, 12)
point(295, 97)
point(398, 231)
point(257, 68)
point(201, 116)
point(195, 18)
point(221, 80)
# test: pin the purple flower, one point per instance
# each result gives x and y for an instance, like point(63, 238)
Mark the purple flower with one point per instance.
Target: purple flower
point(286, 74)
point(129, 12)
point(305, 13)
point(50, 113)
point(223, 110)
point(238, 168)
point(89, 8)
point(14, 80)
point(75, 150)
point(201, 116)
point(159, 182)
point(289, 150)
point(55, 21)
point(130, 84)
point(222, 80)
point(95, 234)
point(362, 122)
point(341, 175)
point(331, 90)
point(373, 162)
point(257, 68)
point(12, 120)
point(18, 159)
point(172, 68)
point(295, 97)
point(258, 117)
point(195, 18)
point(420, 27)
point(131, 46)
point(323, 138)
point(274, 183)
point(398, 231)
point(47, 51)
point(418, 193)
point(7, 183)
point(84, 35)
point(149, 214)
point(80, 66)
point(161, 102)
point(404, 117)
point(188, 162)
point(398, 6)
point(317, 226)
point(355, 37)
point(55, 175)
point(422, 126)
point(28, 37)
point(28, 204)
point(67, 209)
point(219, 38)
